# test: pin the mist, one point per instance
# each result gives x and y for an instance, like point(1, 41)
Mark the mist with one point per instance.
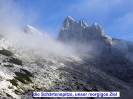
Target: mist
point(12, 18)
point(38, 43)
point(42, 45)
point(12, 22)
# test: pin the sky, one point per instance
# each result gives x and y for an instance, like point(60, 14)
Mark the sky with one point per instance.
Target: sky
point(115, 16)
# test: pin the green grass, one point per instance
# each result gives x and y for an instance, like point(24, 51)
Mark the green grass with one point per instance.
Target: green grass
point(6, 52)
point(15, 61)
point(4, 61)
point(8, 65)
point(24, 78)
point(10, 87)
point(8, 95)
point(20, 79)
point(27, 72)
point(14, 82)
point(17, 92)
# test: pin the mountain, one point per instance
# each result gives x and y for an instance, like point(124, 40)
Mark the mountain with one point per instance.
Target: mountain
point(82, 59)
point(80, 32)
point(124, 46)
point(113, 56)
point(31, 30)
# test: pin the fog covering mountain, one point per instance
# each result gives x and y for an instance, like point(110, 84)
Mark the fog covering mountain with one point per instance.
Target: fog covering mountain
point(82, 58)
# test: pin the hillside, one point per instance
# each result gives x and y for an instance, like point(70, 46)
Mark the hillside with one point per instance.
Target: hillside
point(82, 58)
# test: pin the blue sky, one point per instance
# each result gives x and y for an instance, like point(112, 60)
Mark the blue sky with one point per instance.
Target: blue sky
point(115, 16)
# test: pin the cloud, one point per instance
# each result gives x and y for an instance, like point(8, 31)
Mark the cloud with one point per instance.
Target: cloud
point(15, 14)
point(40, 45)
point(125, 21)
point(10, 15)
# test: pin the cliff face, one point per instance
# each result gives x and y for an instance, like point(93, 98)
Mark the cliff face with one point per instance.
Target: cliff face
point(112, 55)
point(80, 32)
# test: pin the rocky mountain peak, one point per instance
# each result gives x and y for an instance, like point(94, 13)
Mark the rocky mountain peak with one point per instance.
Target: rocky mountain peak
point(80, 31)
point(31, 30)
point(98, 28)
point(83, 24)
point(68, 22)
point(96, 25)
point(69, 18)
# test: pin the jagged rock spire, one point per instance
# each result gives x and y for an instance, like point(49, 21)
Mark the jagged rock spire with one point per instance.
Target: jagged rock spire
point(80, 31)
